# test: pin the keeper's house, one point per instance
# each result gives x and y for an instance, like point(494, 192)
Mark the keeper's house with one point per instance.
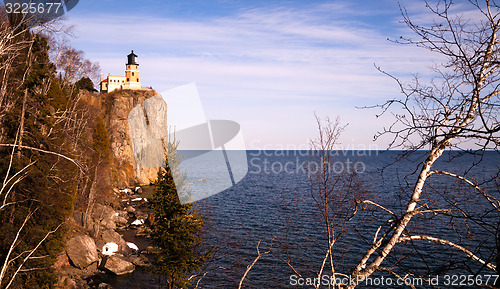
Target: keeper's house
point(129, 81)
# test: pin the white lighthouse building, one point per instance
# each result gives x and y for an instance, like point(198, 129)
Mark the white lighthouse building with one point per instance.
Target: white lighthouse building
point(129, 81)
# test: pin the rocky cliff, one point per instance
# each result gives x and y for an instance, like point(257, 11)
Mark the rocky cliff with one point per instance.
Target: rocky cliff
point(134, 119)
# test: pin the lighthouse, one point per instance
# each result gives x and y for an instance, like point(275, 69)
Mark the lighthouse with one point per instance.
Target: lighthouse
point(132, 72)
point(129, 81)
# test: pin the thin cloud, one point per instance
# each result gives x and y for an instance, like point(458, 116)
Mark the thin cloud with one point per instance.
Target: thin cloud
point(315, 59)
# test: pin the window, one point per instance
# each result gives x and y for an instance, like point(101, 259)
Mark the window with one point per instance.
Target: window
point(128, 79)
point(132, 74)
point(137, 79)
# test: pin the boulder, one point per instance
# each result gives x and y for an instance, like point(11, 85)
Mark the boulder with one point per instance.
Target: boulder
point(111, 236)
point(62, 262)
point(66, 283)
point(81, 251)
point(122, 214)
point(103, 212)
point(121, 222)
point(104, 286)
point(141, 232)
point(150, 249)
point(78, 217)
point(141, 215)
point(105, 216)
point(117, 265)
point(139, 260)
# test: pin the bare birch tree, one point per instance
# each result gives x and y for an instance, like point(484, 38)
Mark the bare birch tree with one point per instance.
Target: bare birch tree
point(456, 114)
point(458, 108)
point(37, 150)
point(72, 66)
point(335, 191)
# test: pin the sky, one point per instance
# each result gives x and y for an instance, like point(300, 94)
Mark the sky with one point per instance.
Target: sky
point(268, 65)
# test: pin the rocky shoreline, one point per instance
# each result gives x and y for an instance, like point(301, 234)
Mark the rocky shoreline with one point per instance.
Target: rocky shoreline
point(102, 244)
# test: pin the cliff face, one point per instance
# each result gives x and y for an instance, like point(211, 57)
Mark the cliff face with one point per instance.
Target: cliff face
point(129, 134)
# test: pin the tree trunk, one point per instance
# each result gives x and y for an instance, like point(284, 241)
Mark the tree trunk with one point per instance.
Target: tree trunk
point(497, 258)
point(21, 125)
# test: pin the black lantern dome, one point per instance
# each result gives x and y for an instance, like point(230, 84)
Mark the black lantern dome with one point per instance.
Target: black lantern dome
point(131, 59)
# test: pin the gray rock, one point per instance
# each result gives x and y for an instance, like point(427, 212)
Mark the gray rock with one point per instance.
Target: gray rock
point(150, 249)
point(139, 260)
point(122, 214)
point(141, 215)
point(105, 216)
point(102, 212)
point(141, 232)
point(108, 224)
point(111, 236)
point(78, 217)
point(81, 251)
point(117, 265)
point(148, 127)
point(121, 221)
point(104, 286)
point(67, 283)
point(120, 137)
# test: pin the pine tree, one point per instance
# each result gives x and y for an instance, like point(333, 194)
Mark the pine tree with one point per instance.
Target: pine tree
point(175, 233)
point(56, 96)
point(46, 190)
point(101, 140)
point(86, 84)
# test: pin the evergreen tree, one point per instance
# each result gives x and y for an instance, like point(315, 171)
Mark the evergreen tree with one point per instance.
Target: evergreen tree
point(101, 140)
point(85, 83)
point(45, 190)
point(56, 96)
point(175, 233)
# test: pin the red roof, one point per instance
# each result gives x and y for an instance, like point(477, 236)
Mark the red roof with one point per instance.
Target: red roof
point(105, 80)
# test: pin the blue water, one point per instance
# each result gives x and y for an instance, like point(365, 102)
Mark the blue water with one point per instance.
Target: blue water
point(272, 204)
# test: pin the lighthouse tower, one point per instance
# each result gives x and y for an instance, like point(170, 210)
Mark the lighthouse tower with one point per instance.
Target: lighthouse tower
point(132, 72)
point(129, 81)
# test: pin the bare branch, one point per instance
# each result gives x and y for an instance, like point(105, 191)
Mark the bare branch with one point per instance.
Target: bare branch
point(493, 201)
point(451, 244)
point(249, 267)
point(44, 151)
point(30, 254)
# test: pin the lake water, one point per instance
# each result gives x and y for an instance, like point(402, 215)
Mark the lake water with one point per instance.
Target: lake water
point(272, 205)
